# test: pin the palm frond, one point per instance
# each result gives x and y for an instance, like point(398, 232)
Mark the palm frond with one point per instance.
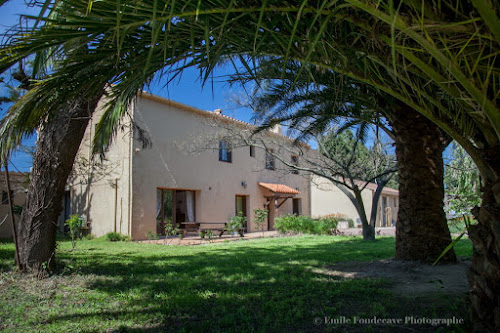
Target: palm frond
point(422, 56)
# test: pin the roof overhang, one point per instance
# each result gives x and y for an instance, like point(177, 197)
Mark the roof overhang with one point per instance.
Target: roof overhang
point(279, 190)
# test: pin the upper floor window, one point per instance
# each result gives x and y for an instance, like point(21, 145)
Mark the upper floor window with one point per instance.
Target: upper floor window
point(294, 160)
point(252, 151)
point(270, 160)
point(225, 151)
point(5, 198)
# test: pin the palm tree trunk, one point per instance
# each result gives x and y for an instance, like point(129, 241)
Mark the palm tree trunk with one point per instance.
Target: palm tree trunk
point(484, 274)
point(421, 231)
point(58, 141)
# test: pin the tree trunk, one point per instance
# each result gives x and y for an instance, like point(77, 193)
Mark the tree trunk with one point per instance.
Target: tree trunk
point(484, 274)
point(368, 233)
point(421, 231)
point(357, 201)
point(368, 228)
point(57, 144)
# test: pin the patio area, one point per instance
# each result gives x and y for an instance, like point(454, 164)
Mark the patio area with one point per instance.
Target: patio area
point(195, 239)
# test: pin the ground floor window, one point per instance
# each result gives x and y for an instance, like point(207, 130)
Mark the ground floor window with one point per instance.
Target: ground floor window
point(5, 197)
point(174, 206)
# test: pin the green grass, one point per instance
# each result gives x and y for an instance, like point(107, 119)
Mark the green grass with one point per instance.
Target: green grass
point(264, 285)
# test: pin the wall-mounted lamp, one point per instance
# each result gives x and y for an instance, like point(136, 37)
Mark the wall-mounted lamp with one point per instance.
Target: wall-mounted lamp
point(244, 184)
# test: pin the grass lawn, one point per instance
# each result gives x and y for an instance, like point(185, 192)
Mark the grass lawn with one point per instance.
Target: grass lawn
point(262, 285)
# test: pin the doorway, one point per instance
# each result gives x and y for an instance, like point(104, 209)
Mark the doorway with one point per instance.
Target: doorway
point(296, 207)
point(174, 206)
point(383, 221)
point(241, 206)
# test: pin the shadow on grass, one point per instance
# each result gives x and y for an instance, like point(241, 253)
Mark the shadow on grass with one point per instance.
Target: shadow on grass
point(255, 286)
point(6, 258)
point(241, 288)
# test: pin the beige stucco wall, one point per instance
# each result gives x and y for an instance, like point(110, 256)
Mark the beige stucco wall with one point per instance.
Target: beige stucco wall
point(177, 160)
point(18, 185)
point(326, 198)
point(101, 194)
point(184, 155)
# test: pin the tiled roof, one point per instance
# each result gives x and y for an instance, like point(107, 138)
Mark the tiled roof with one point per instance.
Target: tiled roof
point(219, 115)
point(373, 187)
point(279, 188)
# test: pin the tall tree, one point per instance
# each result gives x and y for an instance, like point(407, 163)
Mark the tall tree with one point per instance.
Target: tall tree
point(58, 139)
point(422, 231)
point(341, 158)
point(353, 166)
point(60, 115)
point(439, 60)
point(301, 94)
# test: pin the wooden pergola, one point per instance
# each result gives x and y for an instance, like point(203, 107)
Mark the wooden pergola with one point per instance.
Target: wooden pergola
point(280, 193)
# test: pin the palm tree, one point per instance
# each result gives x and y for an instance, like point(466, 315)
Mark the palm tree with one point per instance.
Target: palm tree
point(312, 99)
point(58, 139)
point(440, 61)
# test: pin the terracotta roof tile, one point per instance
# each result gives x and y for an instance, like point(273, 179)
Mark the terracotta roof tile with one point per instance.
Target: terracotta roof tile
point(182, 106)
point(279, 188)
point(373, 187)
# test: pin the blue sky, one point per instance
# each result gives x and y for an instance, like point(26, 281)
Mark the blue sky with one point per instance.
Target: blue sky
point(188, 90)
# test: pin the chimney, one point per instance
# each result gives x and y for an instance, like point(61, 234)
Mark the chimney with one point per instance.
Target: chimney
point(218, 111)
point(276, 129)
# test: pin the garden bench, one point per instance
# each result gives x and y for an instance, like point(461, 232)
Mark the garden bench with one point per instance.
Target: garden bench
point(203, 227)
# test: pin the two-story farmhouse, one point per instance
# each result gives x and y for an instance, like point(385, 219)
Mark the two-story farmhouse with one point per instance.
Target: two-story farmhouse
point(193, 171)
point(185, 175)
point(18, 188)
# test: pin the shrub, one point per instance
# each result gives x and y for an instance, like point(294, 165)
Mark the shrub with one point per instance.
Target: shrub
point(327, 226)
point(170, 230)
point(260, 218)
point(305, 225)
point(294, 224)
point(75, 224)
point(116, 237)
point(236, 223)
point(152, 235)
point(339, 217)
point(207, 234)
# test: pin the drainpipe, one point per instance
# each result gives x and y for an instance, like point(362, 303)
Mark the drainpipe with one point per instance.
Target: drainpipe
point(116, 200)
point(130, 165)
